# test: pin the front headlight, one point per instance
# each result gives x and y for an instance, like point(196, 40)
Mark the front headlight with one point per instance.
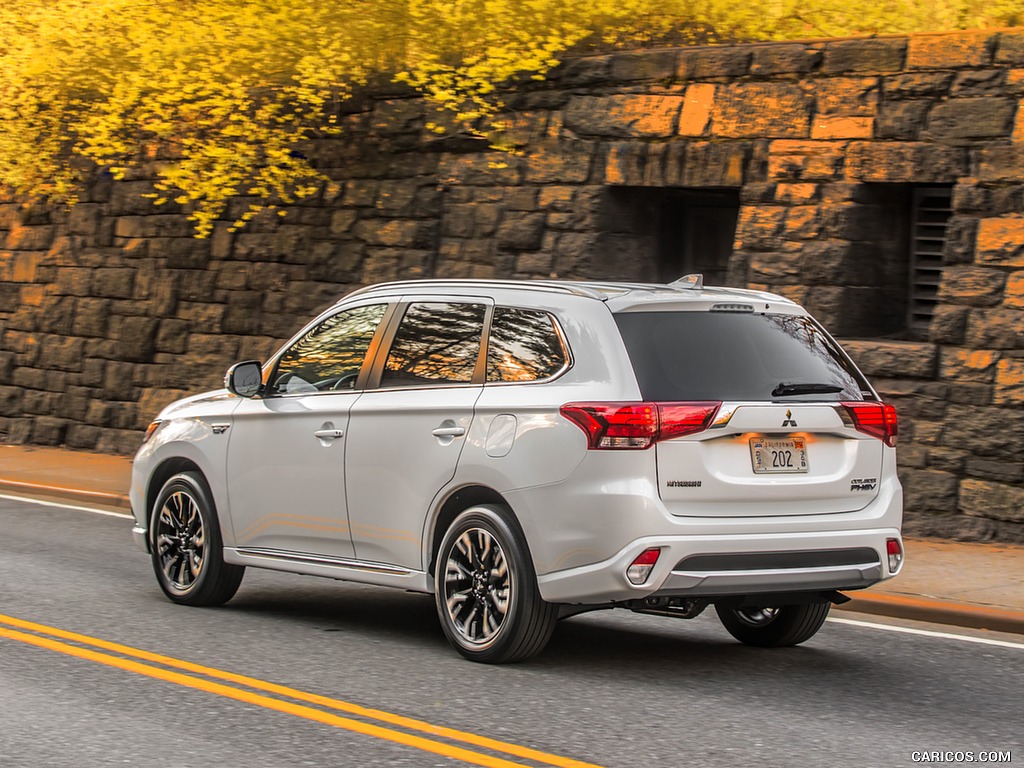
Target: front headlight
point(153, 427)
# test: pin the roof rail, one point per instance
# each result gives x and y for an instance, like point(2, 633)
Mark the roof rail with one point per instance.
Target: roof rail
point(555, 286)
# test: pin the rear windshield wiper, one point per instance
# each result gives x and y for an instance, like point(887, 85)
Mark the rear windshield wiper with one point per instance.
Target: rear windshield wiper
point(793, 388)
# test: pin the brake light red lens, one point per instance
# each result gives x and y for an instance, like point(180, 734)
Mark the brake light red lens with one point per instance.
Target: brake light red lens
point(875, 419)
point(895, 553)
point(641, 567)
point(617, 426)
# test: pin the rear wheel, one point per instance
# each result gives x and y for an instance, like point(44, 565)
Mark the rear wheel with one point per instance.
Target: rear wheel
point(486, 589)
point(187, 547)
point(774, 627)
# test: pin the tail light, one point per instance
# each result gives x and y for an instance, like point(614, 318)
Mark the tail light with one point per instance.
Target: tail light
point(641, 568)
point(875, 419)
point(895, 553)
point(638, 425)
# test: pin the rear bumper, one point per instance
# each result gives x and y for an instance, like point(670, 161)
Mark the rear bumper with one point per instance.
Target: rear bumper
point(674, 574)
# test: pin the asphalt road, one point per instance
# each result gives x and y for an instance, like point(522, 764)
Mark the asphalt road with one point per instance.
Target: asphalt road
point(612, 689)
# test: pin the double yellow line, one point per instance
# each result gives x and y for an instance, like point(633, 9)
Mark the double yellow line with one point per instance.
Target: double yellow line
point(392, 727)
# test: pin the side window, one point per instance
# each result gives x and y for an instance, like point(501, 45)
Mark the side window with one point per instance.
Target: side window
point(436, 343)
point(523, 346)
point(330, 355)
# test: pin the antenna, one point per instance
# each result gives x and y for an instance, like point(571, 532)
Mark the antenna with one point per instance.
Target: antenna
point(694, 282)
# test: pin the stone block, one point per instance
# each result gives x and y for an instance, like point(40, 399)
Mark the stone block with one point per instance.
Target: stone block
point(915, 162)
point(847, 96)
point(997, 501)
point(712, 164)
point(624, 115)
point(974, 286)
point(1000, 471)
point(391, 117)
point(386, 232)
point(624, 164)
point(974, 365)
point(1000, 242)
point(91, 317)
point(894, 358)
point(961, 239)
point(485, 219)
point(1010, 48)
point(704, 63)
point(1009, 382)
point(486, 169)
point(180, 252)
point(833, 127)
point(697, 104)
point(979, 82)
point(917, 85)
point(831, 262)
point(995, 329)
point(135, 337)
point(949, 324)
point(903, 120)
point(779, 59)
point(976, 117)
point(84, 219)
point(775, 268)
point(805, 161)
point(172, 336)
point(929, 491)
point(761, 110)
point(1014, 294)
point(1001, 163)
point(950, 51)
point(162, 225)
point(643, 65)
point(555, 164)
point(49, 430)
point(985, 430)
point(585, 70)
point(29, 238)
point(864, 56)
point(82, 437)
point(74, 281)
point(534, 264)
point(759, 228)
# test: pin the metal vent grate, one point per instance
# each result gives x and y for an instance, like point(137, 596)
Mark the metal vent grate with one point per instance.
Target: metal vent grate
point(932, 207)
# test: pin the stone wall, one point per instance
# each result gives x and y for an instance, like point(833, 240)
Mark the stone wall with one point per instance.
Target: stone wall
point(110, 310)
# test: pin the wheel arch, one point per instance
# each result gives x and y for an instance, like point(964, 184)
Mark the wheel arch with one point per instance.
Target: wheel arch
point(457, 502)
point(164, 471)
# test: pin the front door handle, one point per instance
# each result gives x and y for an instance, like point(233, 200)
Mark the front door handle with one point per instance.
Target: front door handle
point(328, 434)
point(449, 432)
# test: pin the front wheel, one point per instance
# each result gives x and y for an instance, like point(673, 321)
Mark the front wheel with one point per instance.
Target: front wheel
point(486, 589)
point(187, 549)
point(774, 627)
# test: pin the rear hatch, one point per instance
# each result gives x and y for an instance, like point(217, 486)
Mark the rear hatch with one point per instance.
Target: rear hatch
point(796, 432)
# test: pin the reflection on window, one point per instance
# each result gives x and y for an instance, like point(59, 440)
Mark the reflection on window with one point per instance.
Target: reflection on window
point(524, 346)
point(329, 356)
point(436, 343)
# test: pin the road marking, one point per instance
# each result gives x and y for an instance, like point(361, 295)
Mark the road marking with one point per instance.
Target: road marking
point(29, 500)
point(298, 710)
point(929, 633)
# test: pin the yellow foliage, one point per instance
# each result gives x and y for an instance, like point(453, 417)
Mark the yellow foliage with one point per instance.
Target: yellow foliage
point(216, 98)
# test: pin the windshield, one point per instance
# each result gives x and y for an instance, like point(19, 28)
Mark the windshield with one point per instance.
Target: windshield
point(736, 357)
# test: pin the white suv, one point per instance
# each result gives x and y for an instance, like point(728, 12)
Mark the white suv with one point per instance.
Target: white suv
point(527, 451)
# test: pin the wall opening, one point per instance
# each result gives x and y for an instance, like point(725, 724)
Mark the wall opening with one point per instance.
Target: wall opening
point(671, 231)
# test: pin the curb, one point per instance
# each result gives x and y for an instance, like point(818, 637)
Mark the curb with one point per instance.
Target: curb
point(937, 612)
point(47, 492)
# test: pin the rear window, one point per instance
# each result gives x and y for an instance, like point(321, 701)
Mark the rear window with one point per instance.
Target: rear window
point(734, 356)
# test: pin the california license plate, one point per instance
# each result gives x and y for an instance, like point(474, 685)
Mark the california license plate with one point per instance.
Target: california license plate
point(777, 456)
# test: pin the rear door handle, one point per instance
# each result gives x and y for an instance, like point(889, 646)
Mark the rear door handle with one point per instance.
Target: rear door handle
point(328, 434)
point(449, 432)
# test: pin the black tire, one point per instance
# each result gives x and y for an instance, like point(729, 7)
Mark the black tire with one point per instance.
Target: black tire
point(187, 546)
point(486, 589)
point(774, 627)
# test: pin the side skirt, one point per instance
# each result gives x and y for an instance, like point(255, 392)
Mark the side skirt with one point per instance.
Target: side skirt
point(344, 569)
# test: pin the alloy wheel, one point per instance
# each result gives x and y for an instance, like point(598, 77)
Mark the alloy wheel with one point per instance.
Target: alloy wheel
point(180, 540)
point(478, 586)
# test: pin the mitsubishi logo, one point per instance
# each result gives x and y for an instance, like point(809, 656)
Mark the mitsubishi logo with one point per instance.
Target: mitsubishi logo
point(788, 421)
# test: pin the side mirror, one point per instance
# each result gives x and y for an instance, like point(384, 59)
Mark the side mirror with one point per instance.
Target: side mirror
point(245, 379)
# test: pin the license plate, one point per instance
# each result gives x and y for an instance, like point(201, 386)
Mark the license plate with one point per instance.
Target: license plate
point(777, 456)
